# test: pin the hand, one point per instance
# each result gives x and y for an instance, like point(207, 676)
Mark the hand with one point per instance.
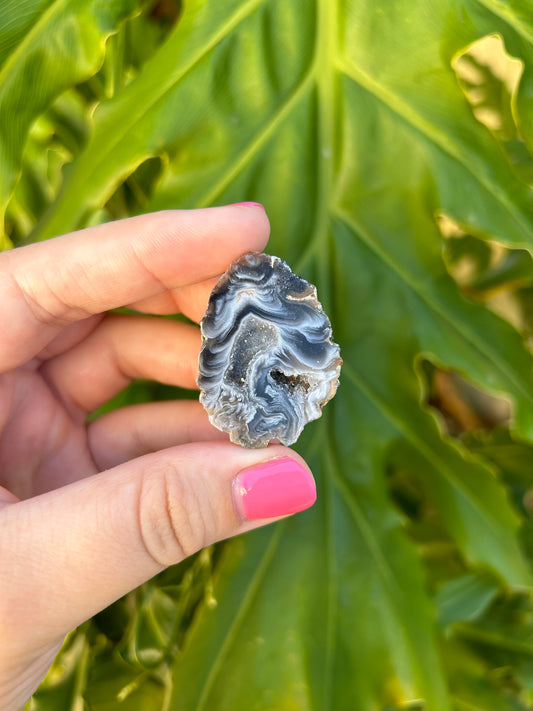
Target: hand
point(90, 511)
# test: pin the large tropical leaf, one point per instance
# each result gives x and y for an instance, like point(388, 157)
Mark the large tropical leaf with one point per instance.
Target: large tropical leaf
point(349, 122)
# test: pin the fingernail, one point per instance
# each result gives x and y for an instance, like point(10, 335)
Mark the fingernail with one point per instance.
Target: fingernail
point(275, 488)
point(248, 204)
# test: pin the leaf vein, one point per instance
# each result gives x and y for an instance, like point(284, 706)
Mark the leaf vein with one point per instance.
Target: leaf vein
point(258, 141)
point(252, 591)
point(419, 123)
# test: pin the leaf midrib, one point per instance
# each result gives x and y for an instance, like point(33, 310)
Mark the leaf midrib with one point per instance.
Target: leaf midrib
point(251, 592)
point(326, 27)
point(392, 588)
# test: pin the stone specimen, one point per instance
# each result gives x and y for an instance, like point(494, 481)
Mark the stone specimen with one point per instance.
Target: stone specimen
point(267, 363)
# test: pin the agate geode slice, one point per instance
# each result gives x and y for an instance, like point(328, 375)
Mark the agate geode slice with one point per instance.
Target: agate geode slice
point(267, 363)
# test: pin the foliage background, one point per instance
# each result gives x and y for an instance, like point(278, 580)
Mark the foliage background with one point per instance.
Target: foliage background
point(390, 141)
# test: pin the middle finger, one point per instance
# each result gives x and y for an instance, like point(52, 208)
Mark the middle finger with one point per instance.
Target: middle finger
point(123, 348)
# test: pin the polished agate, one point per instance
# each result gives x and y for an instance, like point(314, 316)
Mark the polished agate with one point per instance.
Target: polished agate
point(267, 363)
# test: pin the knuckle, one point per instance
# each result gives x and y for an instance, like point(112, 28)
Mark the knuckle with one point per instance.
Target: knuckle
point(172, 522)
point(44, 305)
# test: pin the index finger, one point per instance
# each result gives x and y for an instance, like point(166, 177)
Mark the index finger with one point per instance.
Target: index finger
point(46, 286)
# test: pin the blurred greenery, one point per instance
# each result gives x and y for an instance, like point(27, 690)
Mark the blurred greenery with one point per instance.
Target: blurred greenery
point(391, 143)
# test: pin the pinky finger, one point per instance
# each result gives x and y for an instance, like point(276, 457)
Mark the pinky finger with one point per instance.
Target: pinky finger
point(133, 431)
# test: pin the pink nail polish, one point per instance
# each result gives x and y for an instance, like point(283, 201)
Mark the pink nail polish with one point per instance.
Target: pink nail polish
point(248, 204)
point(275, 488)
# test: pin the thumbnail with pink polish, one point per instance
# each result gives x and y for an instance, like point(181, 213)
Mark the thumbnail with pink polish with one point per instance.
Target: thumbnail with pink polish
point(275, 488)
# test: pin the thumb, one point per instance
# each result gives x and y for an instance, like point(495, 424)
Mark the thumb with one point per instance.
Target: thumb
point(69, 553)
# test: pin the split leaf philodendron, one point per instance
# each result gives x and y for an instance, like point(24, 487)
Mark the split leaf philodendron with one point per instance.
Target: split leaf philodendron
point(355, 123)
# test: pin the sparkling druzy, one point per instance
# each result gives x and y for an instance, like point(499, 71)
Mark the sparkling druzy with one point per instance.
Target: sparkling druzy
point(267, 363)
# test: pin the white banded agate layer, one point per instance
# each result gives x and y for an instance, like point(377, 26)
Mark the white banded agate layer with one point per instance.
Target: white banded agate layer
point(267, 363)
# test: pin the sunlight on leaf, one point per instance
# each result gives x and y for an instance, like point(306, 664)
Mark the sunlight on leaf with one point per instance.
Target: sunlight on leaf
point(490, 77)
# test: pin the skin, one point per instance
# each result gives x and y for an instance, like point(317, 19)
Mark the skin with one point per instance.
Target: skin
point(90, 511)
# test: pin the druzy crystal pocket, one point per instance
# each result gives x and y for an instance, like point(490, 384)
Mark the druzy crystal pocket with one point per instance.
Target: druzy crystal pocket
point(268, 363)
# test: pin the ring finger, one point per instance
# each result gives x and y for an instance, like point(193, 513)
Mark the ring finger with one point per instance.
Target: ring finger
point(136, 430)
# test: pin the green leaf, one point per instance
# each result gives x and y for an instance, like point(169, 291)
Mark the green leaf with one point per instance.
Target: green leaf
point(46, 46)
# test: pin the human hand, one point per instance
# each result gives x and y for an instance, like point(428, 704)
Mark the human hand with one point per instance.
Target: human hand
point(90, 511)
